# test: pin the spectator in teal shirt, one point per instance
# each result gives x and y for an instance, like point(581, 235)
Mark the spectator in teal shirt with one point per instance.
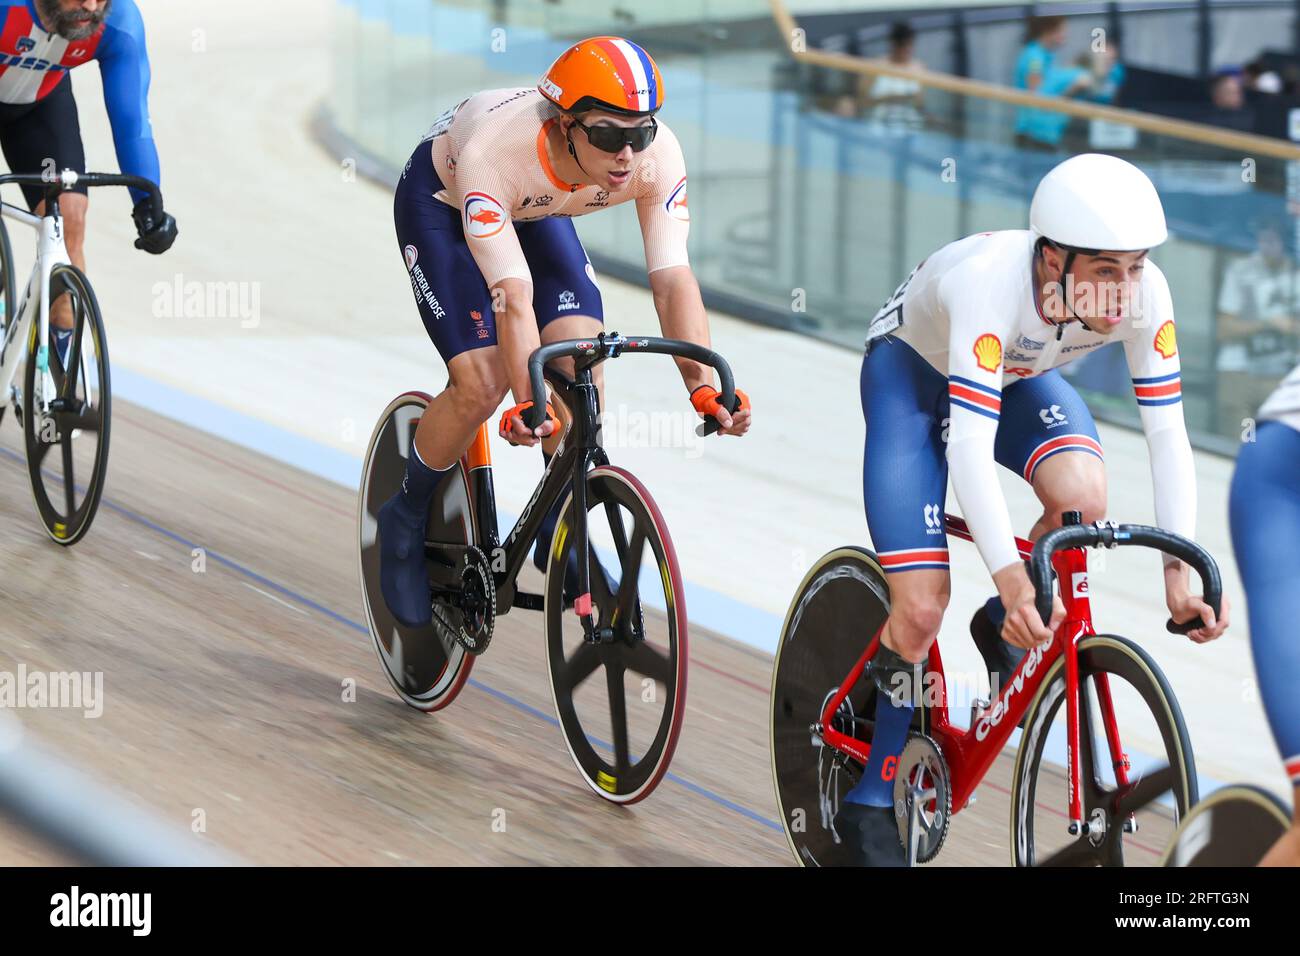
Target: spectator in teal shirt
point(1036, 71)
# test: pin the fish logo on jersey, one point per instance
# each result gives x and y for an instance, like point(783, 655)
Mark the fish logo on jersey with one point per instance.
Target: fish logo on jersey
point(988, 352)
point(1166, 341)
point(484, 216)
point(676, 204)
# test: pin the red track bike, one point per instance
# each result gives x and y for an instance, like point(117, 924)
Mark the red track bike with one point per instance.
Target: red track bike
point(1077, 799)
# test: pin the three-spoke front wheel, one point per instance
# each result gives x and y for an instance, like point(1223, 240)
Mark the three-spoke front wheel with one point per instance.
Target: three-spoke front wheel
point(66, 412)
point(620, 701)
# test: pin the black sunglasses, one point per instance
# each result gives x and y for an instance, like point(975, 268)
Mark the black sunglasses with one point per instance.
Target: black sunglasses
point(612, 139)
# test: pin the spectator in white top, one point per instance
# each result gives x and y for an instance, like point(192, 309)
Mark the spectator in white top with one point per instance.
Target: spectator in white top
point(1257, 327)
point(893, 103)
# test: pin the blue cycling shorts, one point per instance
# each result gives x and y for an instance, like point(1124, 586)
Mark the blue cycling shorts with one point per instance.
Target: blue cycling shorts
point(450, 291)
point(1264, 514)
point(905, 469)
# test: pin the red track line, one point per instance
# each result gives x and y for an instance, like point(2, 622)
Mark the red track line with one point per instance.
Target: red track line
point(230, 464)
point(739, 680)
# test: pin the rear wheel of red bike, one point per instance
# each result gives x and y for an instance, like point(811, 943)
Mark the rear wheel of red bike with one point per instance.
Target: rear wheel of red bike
point(841, 603)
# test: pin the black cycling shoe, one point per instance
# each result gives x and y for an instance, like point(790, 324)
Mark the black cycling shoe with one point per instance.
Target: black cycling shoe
point(870, 835)
point(1001, 658)
point(402, 575)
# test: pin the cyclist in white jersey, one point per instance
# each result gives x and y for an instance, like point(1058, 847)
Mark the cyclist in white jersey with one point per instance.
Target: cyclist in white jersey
point(1264, 513)
point(960, 374)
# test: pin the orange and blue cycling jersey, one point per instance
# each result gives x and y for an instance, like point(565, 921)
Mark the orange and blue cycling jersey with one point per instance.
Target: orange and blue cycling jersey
point(490, 152)
point(960, 375)
point(1264, 513)
point(479, 202)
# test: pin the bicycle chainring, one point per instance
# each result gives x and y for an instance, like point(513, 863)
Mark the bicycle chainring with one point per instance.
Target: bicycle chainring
point(475, 606)
point(922, 798)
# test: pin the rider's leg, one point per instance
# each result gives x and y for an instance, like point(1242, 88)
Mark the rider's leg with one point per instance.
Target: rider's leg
point(568, 305)
point(1264, 516)
point(904, 479)
point(476, 387)
point(1070, 481)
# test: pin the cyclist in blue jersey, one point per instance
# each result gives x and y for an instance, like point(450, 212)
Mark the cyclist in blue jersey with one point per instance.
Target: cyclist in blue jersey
point(1264, 513)
point(40, 42)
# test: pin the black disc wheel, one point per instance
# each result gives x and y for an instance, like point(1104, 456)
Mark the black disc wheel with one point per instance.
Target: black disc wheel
point(839, 606)
point(427, 666)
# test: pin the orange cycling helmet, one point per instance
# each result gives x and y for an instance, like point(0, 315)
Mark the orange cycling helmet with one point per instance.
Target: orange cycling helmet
point(605, 73)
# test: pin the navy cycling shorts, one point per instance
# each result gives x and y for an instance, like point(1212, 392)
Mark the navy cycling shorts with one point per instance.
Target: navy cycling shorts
point(1264, 514)
point(33, 134)
point(452, 296)
point(905, 468)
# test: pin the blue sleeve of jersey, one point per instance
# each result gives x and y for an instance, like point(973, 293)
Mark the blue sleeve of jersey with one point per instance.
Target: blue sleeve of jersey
point(124, 65)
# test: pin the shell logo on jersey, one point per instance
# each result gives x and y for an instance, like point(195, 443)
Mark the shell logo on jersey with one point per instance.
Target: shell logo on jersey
point(412, 254)
point(988, 352)
point(676, 204)
point(1166, 342)
point(484, 216)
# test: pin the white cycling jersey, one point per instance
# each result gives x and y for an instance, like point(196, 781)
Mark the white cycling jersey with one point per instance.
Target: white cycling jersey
point(970, 311)
point(1284, 404)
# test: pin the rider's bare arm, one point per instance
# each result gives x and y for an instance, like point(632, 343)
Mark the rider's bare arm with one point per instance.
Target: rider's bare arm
point(517, 335)
point(682, 316)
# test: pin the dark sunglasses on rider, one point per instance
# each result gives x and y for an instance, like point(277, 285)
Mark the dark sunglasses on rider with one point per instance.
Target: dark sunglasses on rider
point(612, 139)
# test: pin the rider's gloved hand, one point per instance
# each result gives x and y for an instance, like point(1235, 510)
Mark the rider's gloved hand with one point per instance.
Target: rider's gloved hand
point(156, 237)
point(705, 398)
point(513, 429)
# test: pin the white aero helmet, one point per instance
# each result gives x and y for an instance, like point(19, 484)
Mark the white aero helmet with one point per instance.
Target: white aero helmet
point(1093, 201)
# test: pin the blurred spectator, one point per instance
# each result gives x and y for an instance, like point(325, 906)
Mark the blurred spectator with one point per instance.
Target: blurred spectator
point(1227, 91)
point(1260, 78)
point(893, 103)
point(1228, 99)
point(1106, 71)
point(1036, 71)
point(1258, 321)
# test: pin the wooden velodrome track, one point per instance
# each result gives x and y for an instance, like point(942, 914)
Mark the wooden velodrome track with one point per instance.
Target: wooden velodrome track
point(224, 690)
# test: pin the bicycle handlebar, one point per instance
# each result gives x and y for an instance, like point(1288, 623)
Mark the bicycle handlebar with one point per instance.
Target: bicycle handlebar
point(612, 345)
point(69, 178)
point(1105, 534)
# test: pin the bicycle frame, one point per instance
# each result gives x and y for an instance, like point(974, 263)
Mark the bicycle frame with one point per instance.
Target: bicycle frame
point(578, 452)
point(51, 251)
point(969, 753)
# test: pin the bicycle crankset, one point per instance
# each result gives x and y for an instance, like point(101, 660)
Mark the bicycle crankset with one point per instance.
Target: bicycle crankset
point(475, 604)
point(922, 798)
